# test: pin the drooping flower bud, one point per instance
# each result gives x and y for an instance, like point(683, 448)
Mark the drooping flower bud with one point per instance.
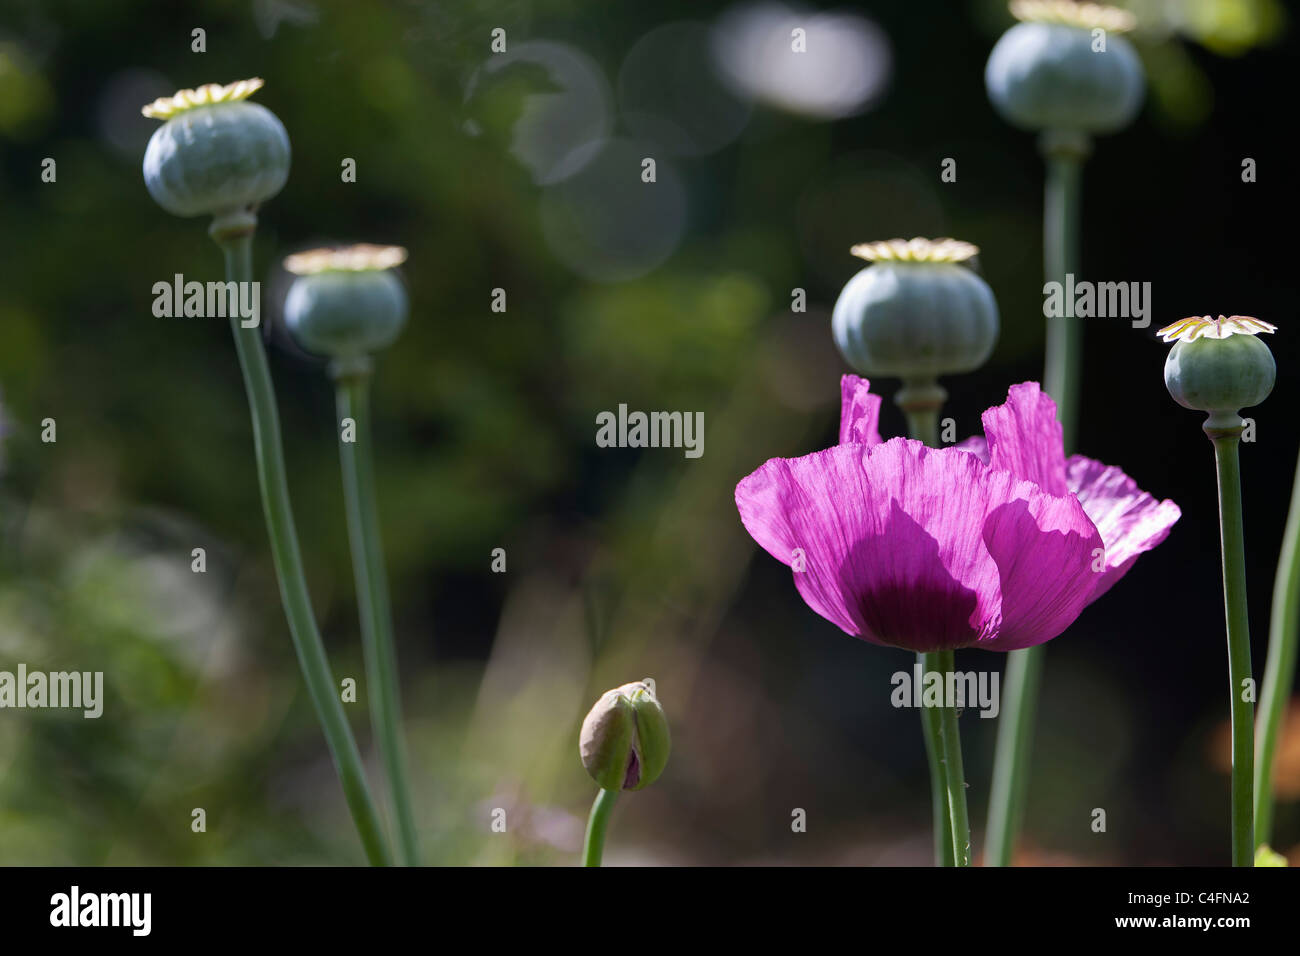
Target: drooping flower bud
point(215, 153)
point(916, 313)
point(624, 741)
point(1219, 366)
point(1065, 68)
point(347, 302)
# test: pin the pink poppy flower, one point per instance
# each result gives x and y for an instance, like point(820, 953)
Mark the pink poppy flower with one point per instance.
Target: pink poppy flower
point(998, 543)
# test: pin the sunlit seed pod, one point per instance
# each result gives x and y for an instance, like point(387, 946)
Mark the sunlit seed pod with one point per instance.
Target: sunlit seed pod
point(916, 311)
point(215, 152)
point(1220, 373)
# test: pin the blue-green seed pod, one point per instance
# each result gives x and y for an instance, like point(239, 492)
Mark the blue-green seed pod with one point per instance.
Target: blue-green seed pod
point(916, 313)
point(215, 152)
point(346, 302)
point(1219, 366)
point(1056, 76)
point(625, 742)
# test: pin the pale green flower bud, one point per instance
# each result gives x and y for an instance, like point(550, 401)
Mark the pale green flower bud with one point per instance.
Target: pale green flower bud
point(625, 741)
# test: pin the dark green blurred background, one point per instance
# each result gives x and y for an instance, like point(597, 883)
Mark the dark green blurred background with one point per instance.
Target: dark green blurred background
point(521, 171)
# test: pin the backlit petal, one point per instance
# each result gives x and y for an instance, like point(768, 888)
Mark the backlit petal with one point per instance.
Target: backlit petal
point(859, 412)
point(1025, 438)
point(1130, 520)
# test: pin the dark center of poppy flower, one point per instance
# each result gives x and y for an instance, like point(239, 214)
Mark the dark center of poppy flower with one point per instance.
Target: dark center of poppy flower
point(921, 615)
point(905, 596)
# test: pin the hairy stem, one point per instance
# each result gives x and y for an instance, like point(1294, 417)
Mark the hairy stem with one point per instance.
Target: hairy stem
point(954, 774)
point(941, 812)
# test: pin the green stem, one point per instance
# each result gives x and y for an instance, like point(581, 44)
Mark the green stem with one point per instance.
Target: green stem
point(373, 604)
point(1011, 761)
point(1064, 357)
point(597, 824)
point(1234, 603)
point(1280, 668)
point(921, 408)
point(922, 417)
point(1064, 155)
point(288, 562)
point(954, 773)
point(941, 813)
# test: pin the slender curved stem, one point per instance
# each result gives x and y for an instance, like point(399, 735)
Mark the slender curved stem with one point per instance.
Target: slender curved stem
point(597, 824)
point(1233, 544)
point(1061, 376)
point(373, 603)
point(288, 564)
point(954, 773)
point(1280, 668)
point(923, 425)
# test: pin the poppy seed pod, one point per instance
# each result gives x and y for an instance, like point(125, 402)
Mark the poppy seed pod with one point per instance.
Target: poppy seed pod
point(1066, 68)
point(1219, 365)
point(916, 312)
point(346, 302)
point(624, 741)
point(215, 153)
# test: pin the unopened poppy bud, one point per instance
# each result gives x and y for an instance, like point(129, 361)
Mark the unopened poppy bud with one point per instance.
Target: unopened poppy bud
point(215, 153)
point(346, 302)
point(625, 741)
point(1219, 365)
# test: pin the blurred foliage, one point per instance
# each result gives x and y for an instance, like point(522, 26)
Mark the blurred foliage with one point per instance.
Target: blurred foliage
point(621, 564)
point(1180, 94)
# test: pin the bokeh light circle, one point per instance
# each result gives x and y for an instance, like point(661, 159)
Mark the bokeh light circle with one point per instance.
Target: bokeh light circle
point(606, 224)
point(842, 68)
point(670, 92)
point(552, 102)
